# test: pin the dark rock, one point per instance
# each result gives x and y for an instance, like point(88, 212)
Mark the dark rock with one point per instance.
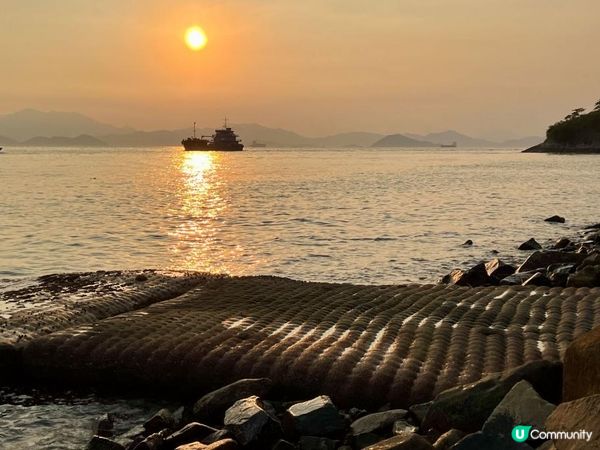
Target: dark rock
point(159, 421)
point(562, 243)
point(448, 439)
point(592, 259)
point(366, 439)
point(468, 407)
point(248, 421)
point(105, 425)
point(191, 432)
point(593, 227)
point(103, 443)
point(481, 441)
point(283, 445)
point(356, 413)
point(555, 219)
point(317, 443)
point(212, 406)
point(582, 366)
point(216, 436)
point(588, 276)
point(141, 278)
point(377, 421)
point(531, 244)
point(467, 243)
point(153, 442)
point(517, 278)
point(522, 405)
point(581, 414)
point(537, 279)
point(475, 276)
point(419, 411)
point(498, 269)
point(402, 426)
point(316, 417)
point(558, 274)
point(404, 441)
point(541, 260)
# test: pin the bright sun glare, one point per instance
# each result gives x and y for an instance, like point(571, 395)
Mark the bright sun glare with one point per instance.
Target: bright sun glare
point(195, 38)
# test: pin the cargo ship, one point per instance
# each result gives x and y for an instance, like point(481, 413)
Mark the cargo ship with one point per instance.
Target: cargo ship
point(224, 140)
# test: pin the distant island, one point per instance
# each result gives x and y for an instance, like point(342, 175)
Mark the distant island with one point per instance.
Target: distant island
point(30, 127)
point(576, 133)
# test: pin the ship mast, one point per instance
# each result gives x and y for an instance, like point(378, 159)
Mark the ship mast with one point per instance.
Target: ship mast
point(194, 130)
point(225, 126)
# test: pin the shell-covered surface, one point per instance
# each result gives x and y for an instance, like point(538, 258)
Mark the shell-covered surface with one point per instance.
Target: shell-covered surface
point(362, 345)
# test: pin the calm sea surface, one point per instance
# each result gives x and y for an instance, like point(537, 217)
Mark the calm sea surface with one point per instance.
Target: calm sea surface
point(359, 215)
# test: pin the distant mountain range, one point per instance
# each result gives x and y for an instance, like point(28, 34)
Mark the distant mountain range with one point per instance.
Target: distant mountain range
point(36, 128)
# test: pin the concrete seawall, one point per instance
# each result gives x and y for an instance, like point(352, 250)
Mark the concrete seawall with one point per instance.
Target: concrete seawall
point(362, 345)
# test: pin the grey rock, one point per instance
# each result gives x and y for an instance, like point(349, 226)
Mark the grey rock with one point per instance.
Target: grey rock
point(404, 441)
point(191, 432)
point(211, 407)
point(377, 421)
point(555, 219)
point(467, 407)
point(248, 421)
point(317, 443)
point(542, 259)
point(159, 421)
point(531, 244)
point(522, 405)
point(448, 439)
point(402, 426)
point(316, 417)
point(499, 269)
point(481, 441)
point(103, 443)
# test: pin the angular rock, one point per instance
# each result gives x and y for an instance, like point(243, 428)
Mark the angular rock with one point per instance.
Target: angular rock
point(377, 421)
point(212, 406)
point(555, 219)
point(419, 411)
point(402, 426)
point(542, 259)
point(105, 425)
point(153, 442)
point(316, 417)
point(588, 276)
point(558, 274)
point(481, 441)
point(475, 276)
point(190, 433)
point(468, 407)
point(103, 443)
point(404, 441)
point(562, 243)
point(522, 405)
point(448, 439)
point(537, 279)
point(248, 421)
point(517, 278)
point(582, 366)
point(159, 421)
point(498, 269)
point(317, 443)
point(581, 414)
point(531, 244)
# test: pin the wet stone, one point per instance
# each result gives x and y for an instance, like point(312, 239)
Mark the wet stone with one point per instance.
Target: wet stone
point(316, 417)
point(159, 421)
point(248, 421)
point(499, 269)
point(402, 426)
point(530, 244)
point(555, 219)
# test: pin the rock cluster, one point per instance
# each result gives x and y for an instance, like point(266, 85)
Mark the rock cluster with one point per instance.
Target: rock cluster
point(564, 263)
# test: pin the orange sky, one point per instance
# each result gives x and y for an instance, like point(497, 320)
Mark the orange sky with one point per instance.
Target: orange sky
point(490, 68)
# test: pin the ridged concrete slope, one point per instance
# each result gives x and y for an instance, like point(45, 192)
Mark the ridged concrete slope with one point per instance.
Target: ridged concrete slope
point(363, 345)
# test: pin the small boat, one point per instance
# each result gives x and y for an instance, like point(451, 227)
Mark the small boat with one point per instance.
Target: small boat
point(453, 145)
point(224, 140)
point(257, 144)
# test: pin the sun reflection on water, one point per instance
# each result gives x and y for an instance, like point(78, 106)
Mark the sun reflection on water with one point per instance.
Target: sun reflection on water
point(203, 207)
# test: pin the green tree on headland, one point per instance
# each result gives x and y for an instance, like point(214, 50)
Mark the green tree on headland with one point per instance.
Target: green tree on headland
point(577, 128)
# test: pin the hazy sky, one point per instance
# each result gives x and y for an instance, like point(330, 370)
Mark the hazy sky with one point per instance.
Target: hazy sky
point(485, 67)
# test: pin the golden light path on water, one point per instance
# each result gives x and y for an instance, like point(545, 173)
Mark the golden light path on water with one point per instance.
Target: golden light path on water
point(204, 205)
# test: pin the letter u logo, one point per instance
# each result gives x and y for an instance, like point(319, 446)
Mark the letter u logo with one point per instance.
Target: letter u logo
point(520, 433)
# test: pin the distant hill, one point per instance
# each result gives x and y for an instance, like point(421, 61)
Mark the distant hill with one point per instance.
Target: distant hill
point(400, 140)
point(450, 136)
point(83, 140)
point(29, 123)
point(358, 139)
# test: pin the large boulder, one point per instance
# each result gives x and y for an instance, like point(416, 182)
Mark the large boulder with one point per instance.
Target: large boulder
point(542, 259)
point(212, 406)
point(248, 421)
point(531, 244)
point(555, 219)
point(587, 276)
point(467, 407)
point(582, 366)
point(159, 421)
point(558, 274)
point(403, 441)
point(575, 416)
point(475, 276)
point(499, 269)
point(316, 417)
point(522, 405)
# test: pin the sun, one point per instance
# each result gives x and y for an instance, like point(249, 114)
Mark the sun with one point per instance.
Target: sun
point(195, 38)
